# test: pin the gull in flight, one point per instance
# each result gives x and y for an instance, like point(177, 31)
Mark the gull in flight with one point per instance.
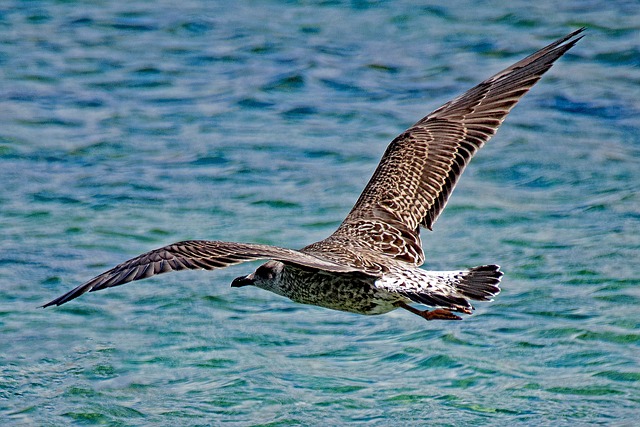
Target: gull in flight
point(370, 264)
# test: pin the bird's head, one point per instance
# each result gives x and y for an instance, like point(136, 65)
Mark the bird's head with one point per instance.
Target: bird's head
point(267, 276)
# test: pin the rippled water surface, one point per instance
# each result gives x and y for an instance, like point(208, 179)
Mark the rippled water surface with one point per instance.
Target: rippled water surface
point(128, 125)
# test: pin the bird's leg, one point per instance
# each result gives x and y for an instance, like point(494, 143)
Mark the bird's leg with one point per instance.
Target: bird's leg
point(437, 314)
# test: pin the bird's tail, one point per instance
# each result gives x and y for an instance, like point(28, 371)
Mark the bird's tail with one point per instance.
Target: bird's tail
point(479, 283)
point(452, 290)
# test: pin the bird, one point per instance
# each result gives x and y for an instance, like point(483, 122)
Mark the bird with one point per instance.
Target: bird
point(371, 264)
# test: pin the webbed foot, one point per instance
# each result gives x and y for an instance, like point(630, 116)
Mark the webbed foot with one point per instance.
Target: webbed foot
point(437, 314)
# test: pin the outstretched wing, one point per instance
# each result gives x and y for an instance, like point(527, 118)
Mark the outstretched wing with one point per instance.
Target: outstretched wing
point(421, 167)
point(195, 255)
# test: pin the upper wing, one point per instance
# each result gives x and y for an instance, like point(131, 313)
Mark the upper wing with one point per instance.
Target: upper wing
point(195, 255)
point(421, 167)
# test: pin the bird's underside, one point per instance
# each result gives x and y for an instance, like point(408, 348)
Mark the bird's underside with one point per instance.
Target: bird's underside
point(369, 265)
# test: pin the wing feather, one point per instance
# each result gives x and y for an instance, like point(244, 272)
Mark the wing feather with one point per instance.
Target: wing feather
point(421, 167)
point(196, 255)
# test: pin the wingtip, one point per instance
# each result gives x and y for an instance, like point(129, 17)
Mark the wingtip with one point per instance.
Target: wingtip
point(571, 39)
point(574, 33)
point(64, 298)
point(50, 303)
point(578, 31)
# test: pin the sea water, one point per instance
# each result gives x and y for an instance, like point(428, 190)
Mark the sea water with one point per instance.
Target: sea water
point(128, 125)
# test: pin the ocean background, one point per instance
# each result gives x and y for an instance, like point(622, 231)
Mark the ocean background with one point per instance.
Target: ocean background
point(128, 125)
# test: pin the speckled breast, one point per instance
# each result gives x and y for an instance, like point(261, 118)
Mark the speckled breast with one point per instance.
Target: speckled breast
point(353, 292)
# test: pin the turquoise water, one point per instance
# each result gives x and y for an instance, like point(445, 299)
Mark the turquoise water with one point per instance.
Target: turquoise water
point(129, 125)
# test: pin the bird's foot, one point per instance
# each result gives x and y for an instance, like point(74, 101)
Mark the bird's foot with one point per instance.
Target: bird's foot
point(437, 314)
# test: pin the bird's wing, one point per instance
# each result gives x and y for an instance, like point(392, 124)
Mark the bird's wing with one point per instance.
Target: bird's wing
point(196, 255)
point(421, 167)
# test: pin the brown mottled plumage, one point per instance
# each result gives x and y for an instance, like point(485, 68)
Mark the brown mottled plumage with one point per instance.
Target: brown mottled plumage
point(369, 264)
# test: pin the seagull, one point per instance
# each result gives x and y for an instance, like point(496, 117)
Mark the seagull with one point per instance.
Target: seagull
point(370, 264)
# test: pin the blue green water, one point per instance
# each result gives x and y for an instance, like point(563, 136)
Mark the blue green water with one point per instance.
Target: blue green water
point(128, 125)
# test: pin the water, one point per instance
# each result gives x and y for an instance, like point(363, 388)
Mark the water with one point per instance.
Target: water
point(129, 125)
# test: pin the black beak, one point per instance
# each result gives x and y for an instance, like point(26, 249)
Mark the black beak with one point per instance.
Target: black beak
point(241, 281)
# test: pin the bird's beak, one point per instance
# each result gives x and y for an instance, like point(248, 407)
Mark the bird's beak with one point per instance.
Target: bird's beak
point(238, 282)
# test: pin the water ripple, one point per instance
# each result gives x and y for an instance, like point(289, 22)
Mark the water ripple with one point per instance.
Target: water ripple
point(130, 125)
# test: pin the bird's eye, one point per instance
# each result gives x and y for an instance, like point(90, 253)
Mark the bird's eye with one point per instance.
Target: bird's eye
point(265, 272)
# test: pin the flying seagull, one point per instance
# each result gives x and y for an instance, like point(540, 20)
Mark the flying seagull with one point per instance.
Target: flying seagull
point(370, 264)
